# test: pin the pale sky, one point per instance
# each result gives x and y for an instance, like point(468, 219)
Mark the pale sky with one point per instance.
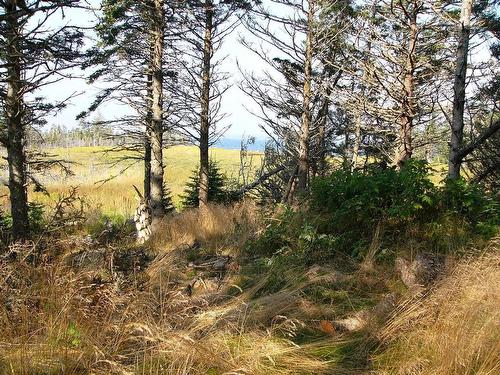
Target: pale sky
point(234, 101)
point(242, 122)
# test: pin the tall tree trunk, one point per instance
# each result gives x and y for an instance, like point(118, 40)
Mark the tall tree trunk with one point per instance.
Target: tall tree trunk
point(205, 105)
point(457, 123)
point(357, 141)
point(147, 166)
point(359, 118)
point(303, 165)
point(147, 138)
point(318, 161)
point(322, 140)
point(158, 25)
point(405, 147)
point(15, 128)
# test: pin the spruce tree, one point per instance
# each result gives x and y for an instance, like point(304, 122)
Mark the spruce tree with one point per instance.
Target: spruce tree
point(216, 187)
point(34, 53)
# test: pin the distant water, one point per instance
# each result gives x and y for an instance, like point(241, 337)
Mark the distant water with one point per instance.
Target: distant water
point(235, 144)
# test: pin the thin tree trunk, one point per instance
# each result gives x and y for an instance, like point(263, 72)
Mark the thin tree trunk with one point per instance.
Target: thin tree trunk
point(405, 147)
point(15, 128)
point(147, 166)
point(322, 141)
point(356, 142)
point(457, 123)
point(205, 106)
point(358, 123)
point(158, 18)
point(147, 138)
point(318, 161)
point(303, 165)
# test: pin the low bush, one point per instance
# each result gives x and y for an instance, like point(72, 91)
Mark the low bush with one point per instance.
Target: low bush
point(350, 205)
point(353, 200)
point(357, 212)
point(480, 209)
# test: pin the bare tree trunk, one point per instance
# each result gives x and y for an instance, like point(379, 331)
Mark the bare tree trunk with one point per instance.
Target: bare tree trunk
point(318, 161)
point(322, 141)
point(15, 128)
point(147, 138)
point(290, 186)
point(205, 106)
point(457, 125)
point(405, 147)
point(357, 141)
point(359, 118)
point(158, 18)
point(303, 165)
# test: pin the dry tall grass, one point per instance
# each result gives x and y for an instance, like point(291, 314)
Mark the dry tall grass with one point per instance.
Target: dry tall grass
point(217, 227)
point(453, 330)
point(61, 316)
point(57, 318)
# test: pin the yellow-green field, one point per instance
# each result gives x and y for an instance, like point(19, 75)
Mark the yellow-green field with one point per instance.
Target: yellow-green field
point(117, 196)
point(92, 165)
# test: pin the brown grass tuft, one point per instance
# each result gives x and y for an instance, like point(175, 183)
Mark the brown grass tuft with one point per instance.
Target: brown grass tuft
point(215, 227)
point(455, 329)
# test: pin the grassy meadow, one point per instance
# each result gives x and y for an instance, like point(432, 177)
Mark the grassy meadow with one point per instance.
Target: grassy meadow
point(383, 272)
point(91, 165)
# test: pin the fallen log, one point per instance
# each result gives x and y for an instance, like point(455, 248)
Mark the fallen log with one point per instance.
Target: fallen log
point(259, 181)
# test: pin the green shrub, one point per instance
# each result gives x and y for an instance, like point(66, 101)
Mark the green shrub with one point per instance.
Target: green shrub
point(354, 198)
point(469, 200)
point(350, 205)
point(314, 246)
point(347, 210)
point(279, 234)
point(36, 217)
point(291, 236)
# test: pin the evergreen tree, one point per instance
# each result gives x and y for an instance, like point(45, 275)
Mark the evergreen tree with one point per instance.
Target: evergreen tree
point(167, 202)
point(34, 53)
point(216, 187)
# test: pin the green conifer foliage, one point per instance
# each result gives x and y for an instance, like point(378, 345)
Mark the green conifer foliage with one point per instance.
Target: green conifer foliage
point(216, 187)
point(168, 204)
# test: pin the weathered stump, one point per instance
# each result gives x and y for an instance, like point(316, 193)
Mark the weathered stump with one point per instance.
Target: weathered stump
point(143, 219)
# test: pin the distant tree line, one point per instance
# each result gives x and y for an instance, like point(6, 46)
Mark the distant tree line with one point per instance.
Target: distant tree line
point(94, 134)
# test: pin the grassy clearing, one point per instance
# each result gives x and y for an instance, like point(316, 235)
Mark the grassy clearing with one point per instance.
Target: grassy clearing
point(108, 306)
point(86, 319)
point(91, 164)
point(307, 290)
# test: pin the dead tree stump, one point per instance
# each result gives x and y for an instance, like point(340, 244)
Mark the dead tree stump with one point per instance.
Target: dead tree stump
point(143, 219)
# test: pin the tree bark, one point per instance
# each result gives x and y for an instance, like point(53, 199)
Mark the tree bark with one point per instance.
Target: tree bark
point(147, 138)
point(357, 141)
point(260, 180)
point(14, 110)
point(303, 164)
point(321, 168)
point(457, 122)
point(205, 106)
point(158, 25)
point(405, 148)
